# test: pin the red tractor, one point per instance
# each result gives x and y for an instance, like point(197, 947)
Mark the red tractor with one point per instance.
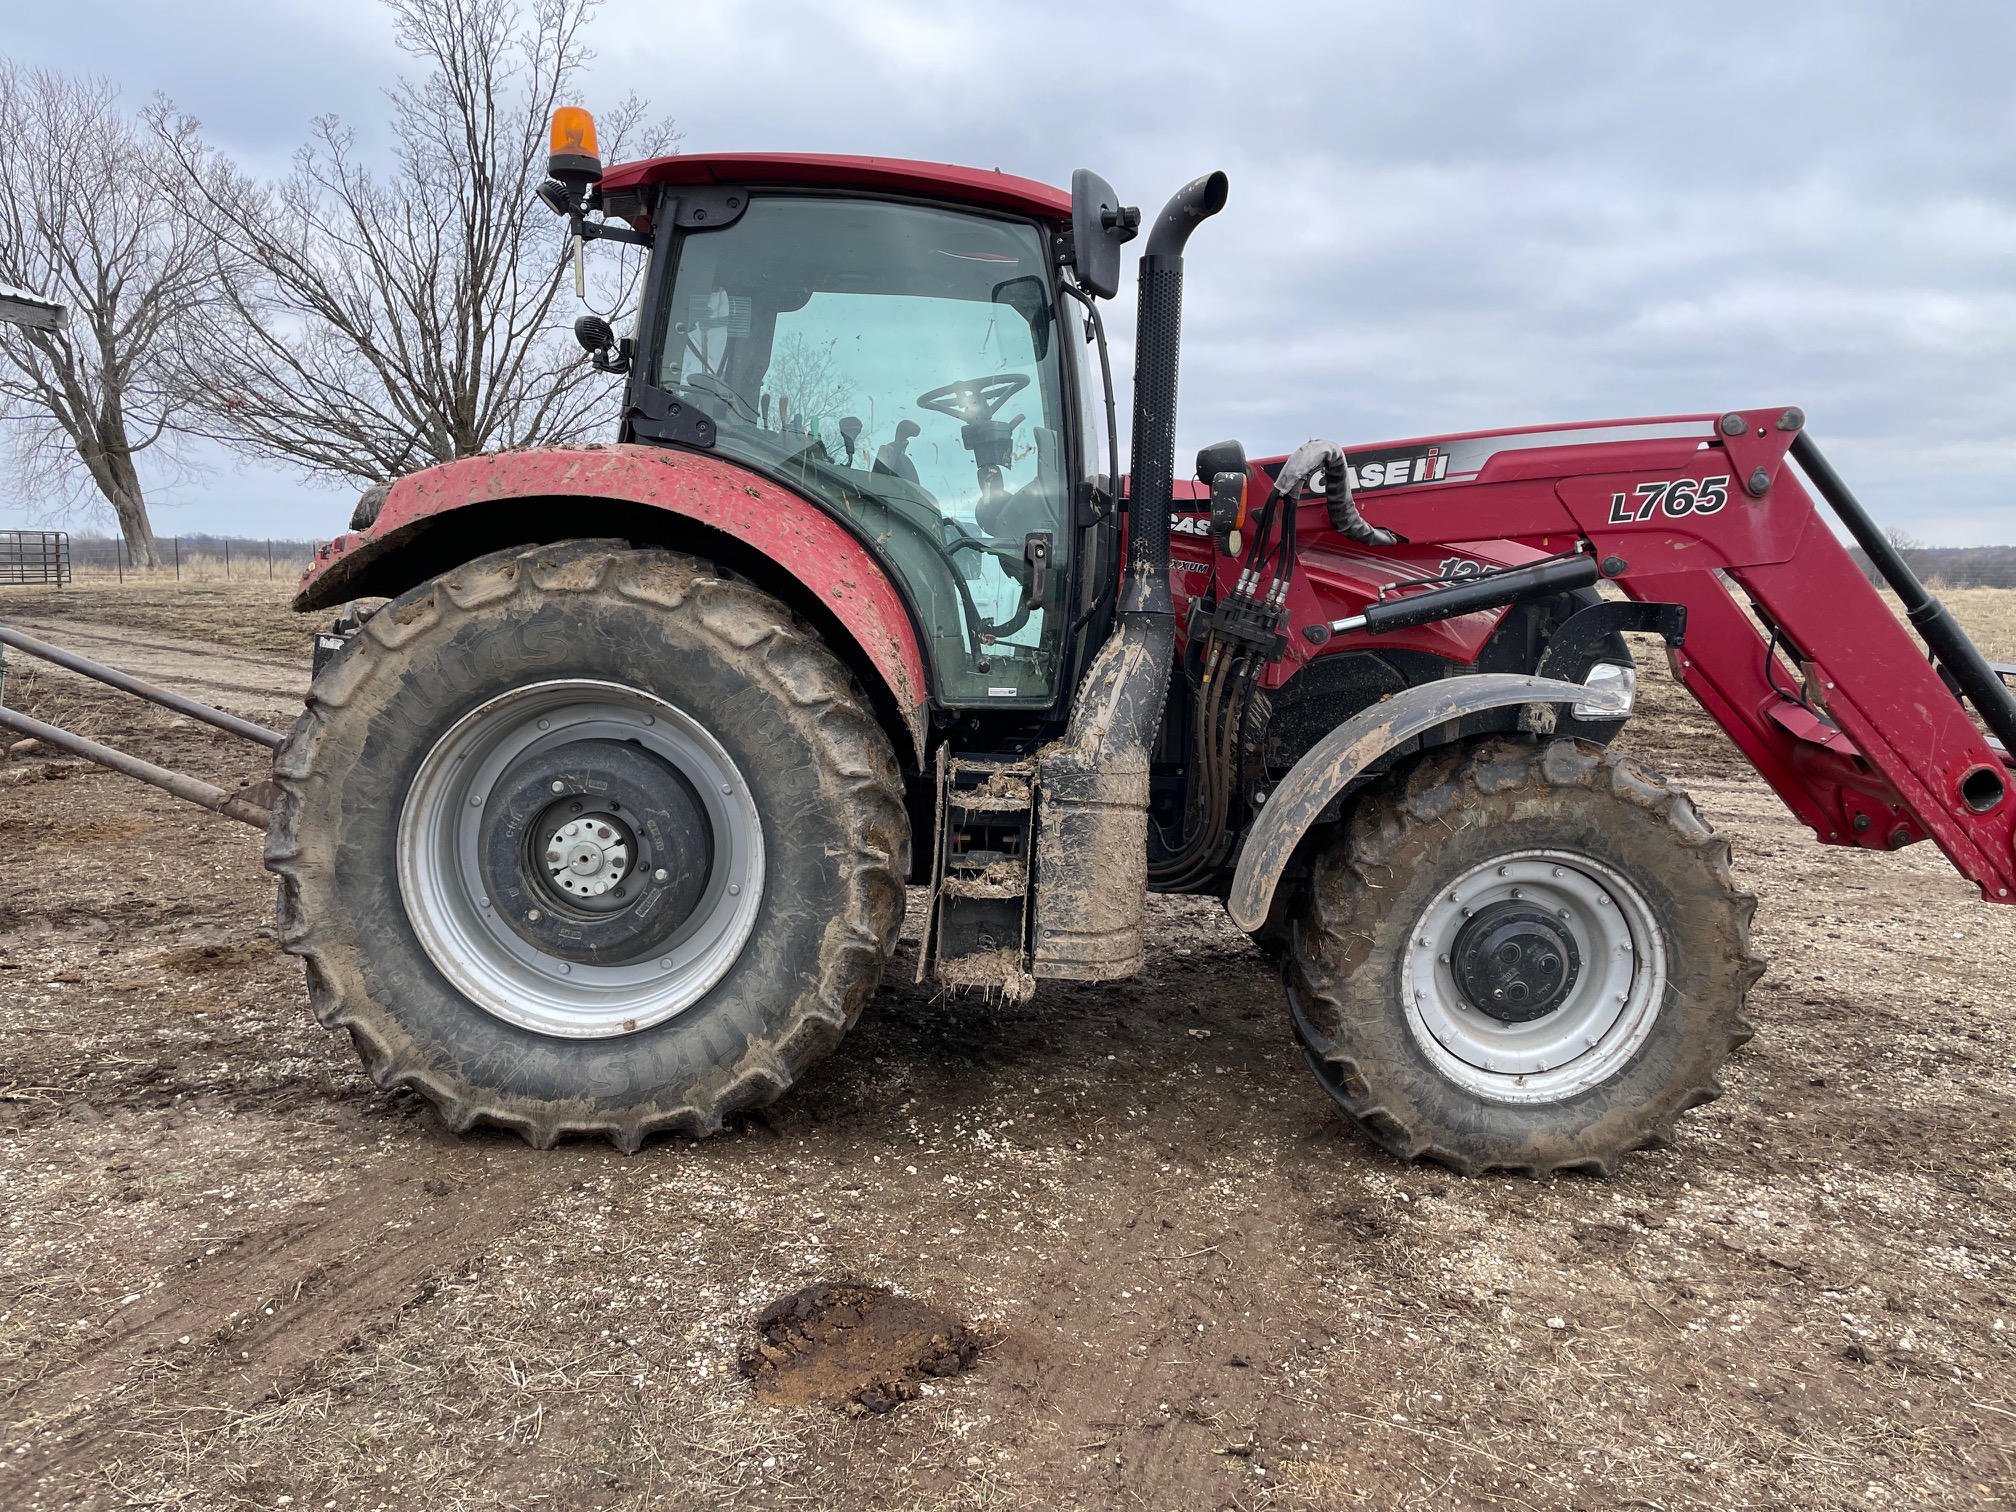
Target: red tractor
point(601, 825)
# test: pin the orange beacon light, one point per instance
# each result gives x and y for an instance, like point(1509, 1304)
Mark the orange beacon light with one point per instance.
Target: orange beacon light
point(576, 160)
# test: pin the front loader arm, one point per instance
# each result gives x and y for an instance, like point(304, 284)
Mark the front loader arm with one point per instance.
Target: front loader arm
point(1880, 752)
point(1831, 697)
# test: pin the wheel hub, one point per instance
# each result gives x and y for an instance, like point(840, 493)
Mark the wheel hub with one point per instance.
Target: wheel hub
point(1533, 976)
point(1515, 962)
point(590, 855)
point(597, 851)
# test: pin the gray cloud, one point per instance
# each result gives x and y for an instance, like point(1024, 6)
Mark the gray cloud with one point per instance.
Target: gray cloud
point(1445, 216)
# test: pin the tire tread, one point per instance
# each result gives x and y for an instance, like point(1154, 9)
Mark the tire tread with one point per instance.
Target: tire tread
point(797, 668)
point(1425, 796)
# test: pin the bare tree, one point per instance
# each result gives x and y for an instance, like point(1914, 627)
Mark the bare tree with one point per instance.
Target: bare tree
point(371, 323)
point(808, 386)
point(81, 222)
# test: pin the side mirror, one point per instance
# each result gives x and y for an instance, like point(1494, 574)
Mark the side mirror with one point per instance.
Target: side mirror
point(1100, 227)
point(1228, 512)
point(1028, 298)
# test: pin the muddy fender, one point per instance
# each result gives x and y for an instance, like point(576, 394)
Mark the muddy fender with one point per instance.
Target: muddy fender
point(1337, 760)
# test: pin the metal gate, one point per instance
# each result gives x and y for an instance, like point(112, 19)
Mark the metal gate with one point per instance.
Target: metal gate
point(35, 556)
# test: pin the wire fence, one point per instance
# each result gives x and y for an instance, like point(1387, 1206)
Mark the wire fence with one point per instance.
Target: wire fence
point(1952, 566)
point(199, 557)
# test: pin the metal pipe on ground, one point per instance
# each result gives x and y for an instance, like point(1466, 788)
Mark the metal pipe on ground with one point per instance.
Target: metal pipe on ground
point(244, 729)
point(182, 786)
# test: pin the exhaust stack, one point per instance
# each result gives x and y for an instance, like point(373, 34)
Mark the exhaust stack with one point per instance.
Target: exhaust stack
point(1158, 340)
point(1092, 839)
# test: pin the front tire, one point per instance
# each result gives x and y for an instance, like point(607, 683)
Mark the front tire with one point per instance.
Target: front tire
point(1521, 956)
point(580, 839)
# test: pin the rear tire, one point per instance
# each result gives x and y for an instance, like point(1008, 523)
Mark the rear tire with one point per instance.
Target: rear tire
point(1519, 956)
point(766, 804)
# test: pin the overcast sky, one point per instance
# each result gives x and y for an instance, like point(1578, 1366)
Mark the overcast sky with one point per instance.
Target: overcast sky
point(1444, 216)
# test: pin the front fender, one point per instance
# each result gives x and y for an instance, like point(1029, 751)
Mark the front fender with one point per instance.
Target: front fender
point(434, 519)
point(1335, 762)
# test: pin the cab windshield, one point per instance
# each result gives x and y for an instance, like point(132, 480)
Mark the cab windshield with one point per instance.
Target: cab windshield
point(900, 364)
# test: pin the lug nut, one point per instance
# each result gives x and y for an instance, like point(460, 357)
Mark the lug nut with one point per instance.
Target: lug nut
point(559, 786)
point(532, 914)
point(660, 875)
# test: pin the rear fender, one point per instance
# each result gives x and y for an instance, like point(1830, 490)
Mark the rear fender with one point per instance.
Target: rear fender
point(433, 520)
point(1336, 761)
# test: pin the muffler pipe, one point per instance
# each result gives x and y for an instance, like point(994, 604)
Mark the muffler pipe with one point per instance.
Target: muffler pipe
point(1158, 341)
point(1092, 840)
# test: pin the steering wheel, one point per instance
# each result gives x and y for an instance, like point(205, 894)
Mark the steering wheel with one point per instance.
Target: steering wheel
point(974, 399)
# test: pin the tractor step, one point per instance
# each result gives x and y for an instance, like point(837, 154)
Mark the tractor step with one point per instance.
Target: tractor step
point(976, 932)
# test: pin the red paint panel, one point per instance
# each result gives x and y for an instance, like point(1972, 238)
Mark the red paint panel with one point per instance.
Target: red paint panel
point(800, 538)
point(990, 189)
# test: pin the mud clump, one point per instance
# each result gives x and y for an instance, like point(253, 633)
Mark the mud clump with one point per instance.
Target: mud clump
point(853, 1347)
point(203, 960)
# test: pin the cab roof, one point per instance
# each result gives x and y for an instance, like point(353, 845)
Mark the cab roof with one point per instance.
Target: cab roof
point(989, 189)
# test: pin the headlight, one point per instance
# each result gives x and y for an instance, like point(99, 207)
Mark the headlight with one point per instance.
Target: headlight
point(1611, 678)
point(365, 515)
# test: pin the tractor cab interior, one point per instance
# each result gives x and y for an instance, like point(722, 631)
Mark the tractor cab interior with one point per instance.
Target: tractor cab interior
point(899, 363)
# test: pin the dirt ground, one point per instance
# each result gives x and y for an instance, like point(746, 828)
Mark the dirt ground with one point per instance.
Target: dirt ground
point(235, 1274)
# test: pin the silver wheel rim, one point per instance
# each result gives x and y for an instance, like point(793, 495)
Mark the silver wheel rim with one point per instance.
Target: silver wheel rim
point(442, 883)
point(1604, 1017)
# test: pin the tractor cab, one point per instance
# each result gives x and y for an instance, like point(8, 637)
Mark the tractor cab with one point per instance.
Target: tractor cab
point(906, 361)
